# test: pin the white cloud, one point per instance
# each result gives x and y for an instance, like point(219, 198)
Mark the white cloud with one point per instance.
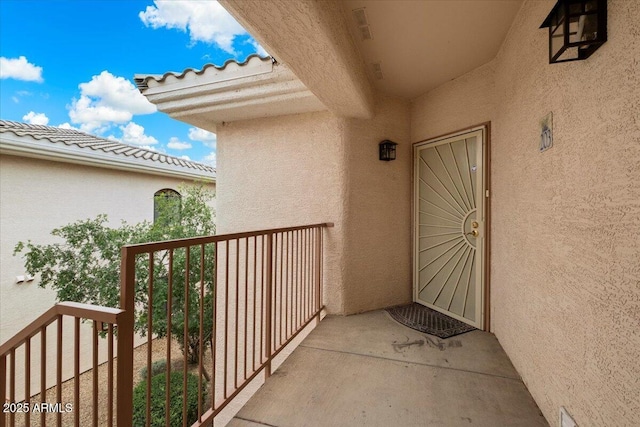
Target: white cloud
point(176, 144)
point(20, 69)
point(134, 134)
point(201, 135)
point(210, 159)
point(105, 100)
point(36, 118)
point(15, 99)
point(259, 49)
point(150, 148)
point(205, 21)
point(185, 157)
point(67, 126)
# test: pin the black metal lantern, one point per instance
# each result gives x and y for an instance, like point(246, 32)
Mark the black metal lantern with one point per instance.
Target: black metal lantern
point(577, 28)
point(387, 150)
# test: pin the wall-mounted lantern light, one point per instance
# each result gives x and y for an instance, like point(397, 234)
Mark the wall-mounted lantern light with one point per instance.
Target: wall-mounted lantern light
point(577, 28)
point(387, 150)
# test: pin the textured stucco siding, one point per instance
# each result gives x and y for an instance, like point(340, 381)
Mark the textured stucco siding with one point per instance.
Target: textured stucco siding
point(378, 198)
point(565, 266)
point(309, 168)
point(284, 172)
point(569, 219)
point(466, 101)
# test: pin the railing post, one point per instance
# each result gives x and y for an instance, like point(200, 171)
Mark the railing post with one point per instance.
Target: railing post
point(3, 388)
point(318, 262)
point(124, 374)
point(268, 303)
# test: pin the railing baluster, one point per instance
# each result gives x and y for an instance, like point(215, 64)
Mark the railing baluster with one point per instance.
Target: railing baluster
point(263, 272)
point(268, 305)
point(305, 267)
point(59, 371)
point(27, 379)
point(246, 301)
point(226, 318)
point(201, 337)
point(149, 336)
point(12, 386)
point(255, 287)
point(76, 371)
point(280, 320)
point(186, 334)
point(321, 267)
point(95, 373)
point(109, 375)
point(3, 388)
point(43, 373)
point(318, 269)
point(215, 325)
point(235, 358)
point(299, 277)
point(286, 286)
point(167, 396)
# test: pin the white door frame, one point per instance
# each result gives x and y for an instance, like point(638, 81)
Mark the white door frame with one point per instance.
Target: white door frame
point(482, 205)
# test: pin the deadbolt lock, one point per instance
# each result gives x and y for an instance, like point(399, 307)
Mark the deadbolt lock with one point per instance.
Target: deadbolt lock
point(475, 224)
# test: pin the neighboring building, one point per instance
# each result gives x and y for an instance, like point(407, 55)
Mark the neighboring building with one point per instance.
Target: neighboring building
point(557, 275)
point(50, 177)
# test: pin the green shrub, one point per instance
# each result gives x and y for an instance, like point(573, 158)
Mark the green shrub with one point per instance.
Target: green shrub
point(157, 367)
point(158, 400)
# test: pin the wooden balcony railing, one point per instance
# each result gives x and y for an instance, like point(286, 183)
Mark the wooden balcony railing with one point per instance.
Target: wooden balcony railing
point(213, 310)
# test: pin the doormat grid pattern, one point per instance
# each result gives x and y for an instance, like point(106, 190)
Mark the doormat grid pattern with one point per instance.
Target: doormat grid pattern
point(429, 321)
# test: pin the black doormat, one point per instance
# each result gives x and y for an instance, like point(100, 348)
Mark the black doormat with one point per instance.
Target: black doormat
point(429, 321)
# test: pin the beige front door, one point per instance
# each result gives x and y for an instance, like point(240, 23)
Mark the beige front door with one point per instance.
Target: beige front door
point(449, 218)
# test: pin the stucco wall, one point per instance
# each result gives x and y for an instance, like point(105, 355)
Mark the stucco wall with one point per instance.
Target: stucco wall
point(378, 204)
point(283, 172)
point(565, 287)
point(309, 168)
point(461, 103)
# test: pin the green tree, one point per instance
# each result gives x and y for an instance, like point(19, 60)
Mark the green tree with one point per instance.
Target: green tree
point(85, 267)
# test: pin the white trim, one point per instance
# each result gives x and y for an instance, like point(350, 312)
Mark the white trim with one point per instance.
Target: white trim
point(11, 144)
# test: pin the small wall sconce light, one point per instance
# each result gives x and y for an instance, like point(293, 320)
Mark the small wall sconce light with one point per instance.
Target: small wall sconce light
point(387, 150)
point(577, 28)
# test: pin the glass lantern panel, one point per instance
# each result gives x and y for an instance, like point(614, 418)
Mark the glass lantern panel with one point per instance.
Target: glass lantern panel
point(576, 8)
point(557, 40)
point(576, 27)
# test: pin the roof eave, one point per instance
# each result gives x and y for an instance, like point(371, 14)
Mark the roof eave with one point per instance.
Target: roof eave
point(24, 146)
point(206, 100)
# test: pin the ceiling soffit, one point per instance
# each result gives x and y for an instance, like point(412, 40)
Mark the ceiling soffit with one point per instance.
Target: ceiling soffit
point(419, 45)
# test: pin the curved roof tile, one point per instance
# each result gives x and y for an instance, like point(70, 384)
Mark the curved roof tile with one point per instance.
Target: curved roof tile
point(72, 137)
point(141, 81)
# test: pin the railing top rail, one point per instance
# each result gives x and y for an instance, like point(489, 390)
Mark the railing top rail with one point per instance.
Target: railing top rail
point(66, 308)
point(194, 241)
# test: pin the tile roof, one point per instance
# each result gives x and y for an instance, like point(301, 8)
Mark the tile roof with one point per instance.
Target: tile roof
point(72, 137)
point(141, 80)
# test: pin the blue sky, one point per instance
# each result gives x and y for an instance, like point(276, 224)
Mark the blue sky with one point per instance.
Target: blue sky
point(71, 64)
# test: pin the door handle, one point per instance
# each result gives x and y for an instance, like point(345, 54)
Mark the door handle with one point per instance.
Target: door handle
point(473, 233)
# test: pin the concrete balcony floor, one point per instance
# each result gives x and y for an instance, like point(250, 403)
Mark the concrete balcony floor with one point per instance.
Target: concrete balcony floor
point(368, 370)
